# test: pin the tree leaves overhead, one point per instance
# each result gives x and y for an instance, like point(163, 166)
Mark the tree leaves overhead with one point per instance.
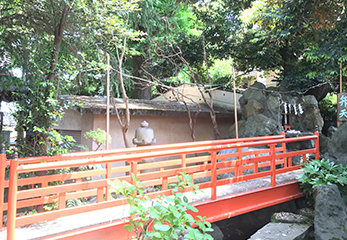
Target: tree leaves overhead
point(302, 40)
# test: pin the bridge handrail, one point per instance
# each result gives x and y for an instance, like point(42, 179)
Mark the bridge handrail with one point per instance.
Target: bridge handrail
point(130, 158)
point(162, 147)
point(211, 165)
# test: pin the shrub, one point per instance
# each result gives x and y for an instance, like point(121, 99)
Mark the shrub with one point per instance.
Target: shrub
point(166, 215)
point(321, 172)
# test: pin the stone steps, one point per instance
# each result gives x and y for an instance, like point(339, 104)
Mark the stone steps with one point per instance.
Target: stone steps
point(283, 231)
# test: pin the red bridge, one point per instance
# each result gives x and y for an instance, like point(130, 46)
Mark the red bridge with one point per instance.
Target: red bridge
point(154, 166)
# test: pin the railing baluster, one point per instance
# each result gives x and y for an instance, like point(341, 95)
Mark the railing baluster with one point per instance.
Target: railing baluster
point(12, 199)
point(2, 183)
point(62, 200)
point(100, 194)
point(164, 183)
point(133, 170)
point(183, 161)
point(238, 164)
point(108, 176)
point(256, 164)
point(273, 164)
point(285, 160)
point(316, 144)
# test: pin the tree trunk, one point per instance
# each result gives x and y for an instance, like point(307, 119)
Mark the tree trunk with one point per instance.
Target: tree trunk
point(143, 89)
point(58, 37)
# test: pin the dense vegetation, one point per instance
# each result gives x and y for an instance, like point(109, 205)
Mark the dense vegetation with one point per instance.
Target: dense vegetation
point(59, 47)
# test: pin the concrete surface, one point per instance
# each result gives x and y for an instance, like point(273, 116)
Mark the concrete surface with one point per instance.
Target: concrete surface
point(281, 231)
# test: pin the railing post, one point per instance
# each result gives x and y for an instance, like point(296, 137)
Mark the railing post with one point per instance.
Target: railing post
point(12, 198)
point(214, 175)
point(2, 183)
point(316, 143)
point(273, 164)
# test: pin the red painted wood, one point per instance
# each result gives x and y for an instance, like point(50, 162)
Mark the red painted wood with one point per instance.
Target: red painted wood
point(2, 186)
point(12, 200)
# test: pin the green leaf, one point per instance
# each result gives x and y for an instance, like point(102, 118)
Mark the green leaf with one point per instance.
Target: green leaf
point(154, 214)
point(130, 228)
point(161, 227)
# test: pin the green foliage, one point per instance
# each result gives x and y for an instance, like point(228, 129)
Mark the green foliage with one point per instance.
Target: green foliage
point(321, 172)
point(98, 136)
point(303, 40)
point(38, 111)
point(167, 215)
point(69, 203)
point(328, 107)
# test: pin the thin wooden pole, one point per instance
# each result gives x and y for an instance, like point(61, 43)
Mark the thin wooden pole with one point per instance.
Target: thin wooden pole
point(108, 102)
point(341, 77)
point(108, 165)
point(235, 105)
point(339, 122)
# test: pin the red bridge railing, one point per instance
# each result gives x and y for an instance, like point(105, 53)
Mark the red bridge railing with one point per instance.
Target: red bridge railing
point(154, 166)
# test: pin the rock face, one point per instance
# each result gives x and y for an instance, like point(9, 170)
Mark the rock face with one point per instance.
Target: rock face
point(337, 147)
point(330, 213)
point(261, 110)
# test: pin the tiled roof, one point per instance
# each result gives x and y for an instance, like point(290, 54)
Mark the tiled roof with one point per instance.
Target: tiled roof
point(97, 105)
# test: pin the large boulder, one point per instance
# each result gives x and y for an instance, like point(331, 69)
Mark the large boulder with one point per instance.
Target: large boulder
point(240, 127)
point(331, 131)
point(253, 107)
point(323, 143)
point(311, 116)
point(260, 125)
point(330, 213)
point(253, 100)
point(337, 146)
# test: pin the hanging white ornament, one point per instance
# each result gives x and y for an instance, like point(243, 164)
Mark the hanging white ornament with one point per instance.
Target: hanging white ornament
point(285, 108)
point(290, 108)
point(301, 111)
point(295, 110)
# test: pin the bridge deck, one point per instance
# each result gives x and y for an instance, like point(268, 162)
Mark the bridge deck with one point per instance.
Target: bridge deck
point(48, 229)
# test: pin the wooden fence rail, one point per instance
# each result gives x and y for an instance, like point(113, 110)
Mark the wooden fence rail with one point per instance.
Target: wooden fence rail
point(153, 165)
